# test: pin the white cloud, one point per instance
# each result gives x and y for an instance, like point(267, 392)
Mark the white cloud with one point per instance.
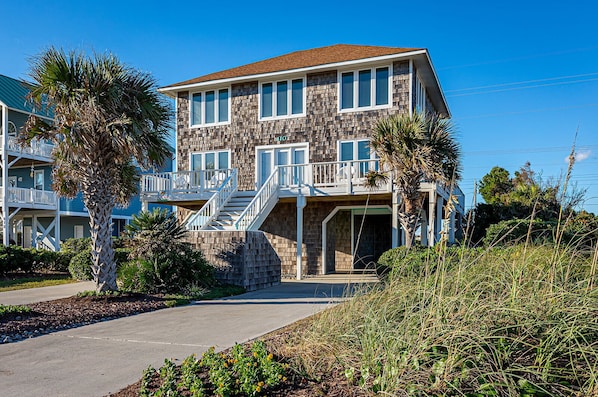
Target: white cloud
point(580, 155)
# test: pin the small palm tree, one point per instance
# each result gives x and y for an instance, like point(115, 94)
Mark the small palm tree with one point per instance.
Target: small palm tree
point(107, 116)
point(416, 148)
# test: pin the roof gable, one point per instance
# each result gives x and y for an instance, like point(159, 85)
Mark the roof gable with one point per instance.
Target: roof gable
point(13, 93)
point(298, 60)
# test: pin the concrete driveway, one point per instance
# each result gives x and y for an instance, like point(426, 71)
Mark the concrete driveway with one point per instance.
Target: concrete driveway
point(102, 358)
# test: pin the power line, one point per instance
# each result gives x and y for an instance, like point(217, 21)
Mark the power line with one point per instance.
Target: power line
point(523, 82)
point(526, 111)
point(524, 87)
point(532, 56)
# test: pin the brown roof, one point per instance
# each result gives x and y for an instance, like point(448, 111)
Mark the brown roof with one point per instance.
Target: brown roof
point(300, 59)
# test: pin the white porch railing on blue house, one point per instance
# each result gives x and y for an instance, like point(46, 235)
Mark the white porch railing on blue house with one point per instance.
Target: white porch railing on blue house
point(36, 148)
point(20, 196)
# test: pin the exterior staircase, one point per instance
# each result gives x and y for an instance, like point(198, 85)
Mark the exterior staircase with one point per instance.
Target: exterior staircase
point(230, 212)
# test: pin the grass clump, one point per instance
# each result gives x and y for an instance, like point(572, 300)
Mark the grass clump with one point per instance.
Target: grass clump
point(515, 321)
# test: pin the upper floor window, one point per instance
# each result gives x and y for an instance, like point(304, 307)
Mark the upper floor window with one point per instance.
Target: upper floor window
point(210, 107)
point(367, 88)
point(420, 96)
point(282, 98)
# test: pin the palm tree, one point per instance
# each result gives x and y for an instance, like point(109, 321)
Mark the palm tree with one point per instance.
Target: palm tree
point(107, 117)
point(416, 148)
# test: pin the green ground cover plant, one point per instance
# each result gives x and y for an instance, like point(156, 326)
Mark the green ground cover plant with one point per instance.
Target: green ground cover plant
point(509, 321)
point(10, 309)
point(244, 371)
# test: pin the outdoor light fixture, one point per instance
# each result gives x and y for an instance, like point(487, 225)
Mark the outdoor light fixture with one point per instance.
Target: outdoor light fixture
point(32, 170)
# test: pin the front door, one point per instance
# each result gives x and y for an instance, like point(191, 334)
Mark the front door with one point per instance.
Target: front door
point(279, 155)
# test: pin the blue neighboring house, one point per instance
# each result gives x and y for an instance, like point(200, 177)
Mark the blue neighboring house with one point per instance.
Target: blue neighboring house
point(31, 213)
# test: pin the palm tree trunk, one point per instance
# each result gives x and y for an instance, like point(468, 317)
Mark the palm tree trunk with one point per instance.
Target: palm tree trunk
point(102, 253)
point(408, 219)
point(99, 201)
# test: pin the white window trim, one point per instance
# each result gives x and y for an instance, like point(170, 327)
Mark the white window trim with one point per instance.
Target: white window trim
point(35, 174)
point(216, 107)
point(203, 158)
point(356, 107)
point(289, 82)
point(355, 149)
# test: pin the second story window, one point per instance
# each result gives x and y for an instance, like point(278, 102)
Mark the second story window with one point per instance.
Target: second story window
point(210, 107)
point(282, 98)
point(367, 88)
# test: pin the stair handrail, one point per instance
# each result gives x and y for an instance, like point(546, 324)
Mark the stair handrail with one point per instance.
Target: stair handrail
point(259, 202)
point(212, 207)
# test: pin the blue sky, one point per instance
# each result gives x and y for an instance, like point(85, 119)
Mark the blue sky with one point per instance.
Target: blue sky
point(520, 77)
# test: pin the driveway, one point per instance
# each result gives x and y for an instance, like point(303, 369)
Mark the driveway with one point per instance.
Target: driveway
point(102, 358)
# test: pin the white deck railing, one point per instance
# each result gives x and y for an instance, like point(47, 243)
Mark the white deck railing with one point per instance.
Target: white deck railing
point(18, 195)
point(36, 148)
point(213, 206)
point(263, 197)
point(184, 182)
point(334, 178)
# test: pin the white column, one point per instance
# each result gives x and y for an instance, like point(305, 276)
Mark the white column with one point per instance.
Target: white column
point(57, 229)
point(432, 218)
point(438, 226)
point(4, 155)
point(34, 225)
point(395, 219)
point(300, 205)
point(144, 205)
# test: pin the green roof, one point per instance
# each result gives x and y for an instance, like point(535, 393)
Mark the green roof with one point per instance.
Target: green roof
point(13, 93)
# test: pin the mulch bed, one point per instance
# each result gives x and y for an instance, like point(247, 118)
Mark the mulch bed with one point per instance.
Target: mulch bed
point(56, 315)
point(72, 312)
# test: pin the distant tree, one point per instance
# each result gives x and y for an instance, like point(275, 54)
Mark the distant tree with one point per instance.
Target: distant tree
point(107, 115)
point(520, 197)
point(495, 185)
point(416, 148)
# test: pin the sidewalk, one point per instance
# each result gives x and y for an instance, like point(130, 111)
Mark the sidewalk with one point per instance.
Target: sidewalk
point(102, 358)
point(42, 294)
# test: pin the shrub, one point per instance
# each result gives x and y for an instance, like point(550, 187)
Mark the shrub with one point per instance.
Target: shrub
point(173, 272)
point(76, 244)
point(80, 266)
point(517, 231)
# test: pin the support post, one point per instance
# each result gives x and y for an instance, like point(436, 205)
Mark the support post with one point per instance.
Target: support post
point(395, 219)
point(57, 230)
point(432, 218)
point(300, 205)
point(4, 159)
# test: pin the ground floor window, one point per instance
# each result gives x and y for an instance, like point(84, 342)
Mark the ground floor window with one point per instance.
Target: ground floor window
point(78, 231)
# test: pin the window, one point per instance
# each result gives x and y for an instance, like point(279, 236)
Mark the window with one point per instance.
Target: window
point(217, 160)
point(356, 150)
point(38, 180)
point(368, 88)
point(420, 96)
point(210, 107)
point(282, 98)
point(78, 231)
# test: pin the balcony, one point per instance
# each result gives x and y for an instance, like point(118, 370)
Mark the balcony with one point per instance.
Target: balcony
point(31, 198)
point(338, 178)
point(36, 149)
point(182, 185)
